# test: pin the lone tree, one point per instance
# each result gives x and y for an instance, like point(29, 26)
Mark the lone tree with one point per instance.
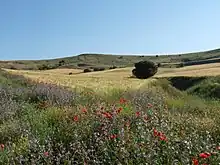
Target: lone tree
point(144, 69)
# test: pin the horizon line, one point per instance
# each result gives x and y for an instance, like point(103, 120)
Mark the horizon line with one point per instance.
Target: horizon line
point(114, 54)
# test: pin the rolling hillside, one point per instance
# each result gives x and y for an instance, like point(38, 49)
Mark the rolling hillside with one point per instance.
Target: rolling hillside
point(107, 60)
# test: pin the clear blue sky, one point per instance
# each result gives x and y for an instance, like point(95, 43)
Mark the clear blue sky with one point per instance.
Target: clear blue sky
point(40, 29)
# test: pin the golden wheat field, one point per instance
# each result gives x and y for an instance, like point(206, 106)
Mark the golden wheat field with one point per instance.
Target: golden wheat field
point(112, 78)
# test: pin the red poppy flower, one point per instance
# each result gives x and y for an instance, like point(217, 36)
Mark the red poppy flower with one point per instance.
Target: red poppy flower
point(122, 100)
point(2, 146)
point(160, 135)
point(155, 132)
point(113, 136)
point(76, 118)
point(138, 113)
point(119, 110)
point(204, 155)
point(163, 138)
point(195, 161)
point(107, 115)
point(218, 147)
point(46, 153)
point(84, 110)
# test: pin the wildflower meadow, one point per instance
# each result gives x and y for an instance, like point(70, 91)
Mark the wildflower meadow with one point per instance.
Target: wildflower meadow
point(154, 125)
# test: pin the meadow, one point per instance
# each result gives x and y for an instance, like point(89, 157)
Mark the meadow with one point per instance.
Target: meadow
point(108, 117)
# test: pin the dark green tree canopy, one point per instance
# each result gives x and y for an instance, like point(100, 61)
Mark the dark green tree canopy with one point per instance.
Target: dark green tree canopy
point(144, 69)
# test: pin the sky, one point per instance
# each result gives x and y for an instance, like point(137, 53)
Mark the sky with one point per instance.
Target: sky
point(44, 29)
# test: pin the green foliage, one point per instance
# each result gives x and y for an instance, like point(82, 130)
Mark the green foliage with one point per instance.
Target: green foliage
point(47, 67)
point(44, 67)
point(99, 69)
point(61, 62)
point(144, 69)
point(113, 67)
point(208, 88)
point(82, 65)
point(87, 70)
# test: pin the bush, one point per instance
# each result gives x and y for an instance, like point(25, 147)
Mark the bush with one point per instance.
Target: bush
point(82, 65)
point(144, 69)
point(70, 73)
point(62, 62)
point(99, 69)
point(87, 70)
point(43, 67)
point(186, 60)
point(181, 65)
point(12, 67)
point(113, 67)
point(47, 66)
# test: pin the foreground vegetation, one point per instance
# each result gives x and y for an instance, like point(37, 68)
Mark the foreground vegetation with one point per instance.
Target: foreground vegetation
point(156, 124)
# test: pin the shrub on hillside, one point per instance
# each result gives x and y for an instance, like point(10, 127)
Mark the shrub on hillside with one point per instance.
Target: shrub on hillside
point(87, 70)
point(12, 67)
point(99, 69)
point(186, 60)
point(144, 69)
point(62, 62)
point(181, 65)
point(43, 67)
point(47, 66)
point(113, 67)
point(82, 65)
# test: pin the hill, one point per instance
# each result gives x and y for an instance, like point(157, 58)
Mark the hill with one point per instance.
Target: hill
point(108, 60)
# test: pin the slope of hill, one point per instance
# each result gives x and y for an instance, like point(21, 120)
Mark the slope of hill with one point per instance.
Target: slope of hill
point(107, 60)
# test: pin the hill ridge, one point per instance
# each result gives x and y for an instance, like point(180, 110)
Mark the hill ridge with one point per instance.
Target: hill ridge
point(88, 60)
